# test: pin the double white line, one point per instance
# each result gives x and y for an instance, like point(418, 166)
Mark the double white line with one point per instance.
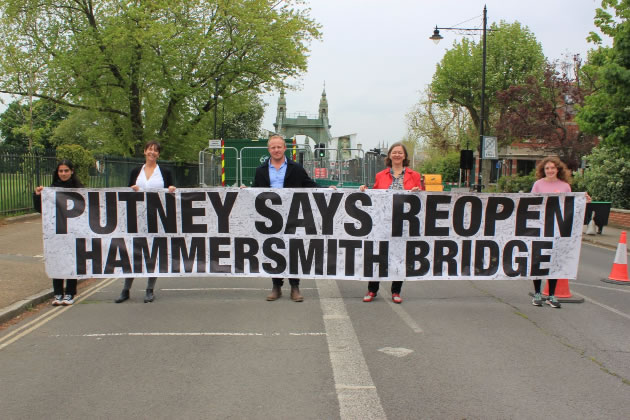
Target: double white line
point(31, 326)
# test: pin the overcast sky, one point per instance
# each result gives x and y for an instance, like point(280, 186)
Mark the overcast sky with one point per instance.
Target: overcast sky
point(376, 56)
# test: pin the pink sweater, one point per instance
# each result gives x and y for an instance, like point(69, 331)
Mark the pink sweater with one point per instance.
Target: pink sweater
point(557, 186)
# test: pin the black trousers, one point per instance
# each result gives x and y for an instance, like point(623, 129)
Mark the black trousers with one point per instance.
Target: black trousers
point(552, 286)
point(150, 283)
point(279, 282)
point(374, 285)
point(71, 287)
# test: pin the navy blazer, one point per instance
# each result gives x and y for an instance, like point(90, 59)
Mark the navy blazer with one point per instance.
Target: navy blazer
point(295, 176)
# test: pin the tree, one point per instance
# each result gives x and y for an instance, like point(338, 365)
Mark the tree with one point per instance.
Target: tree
point(243, 117)
point(150, 69)
point(608, 175)
point(446, 165)
point(82, 159)
point(606, 112)
point(24, 127)
point(542, 113)
point(513, 54)
point(442, 128)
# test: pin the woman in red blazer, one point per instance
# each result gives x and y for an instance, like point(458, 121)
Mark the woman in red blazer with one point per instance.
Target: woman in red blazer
point(397, 176)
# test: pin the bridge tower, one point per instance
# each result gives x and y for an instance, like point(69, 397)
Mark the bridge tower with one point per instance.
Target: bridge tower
point(315, 127)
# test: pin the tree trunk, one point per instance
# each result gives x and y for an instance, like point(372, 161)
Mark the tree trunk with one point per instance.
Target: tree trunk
point(135, 104)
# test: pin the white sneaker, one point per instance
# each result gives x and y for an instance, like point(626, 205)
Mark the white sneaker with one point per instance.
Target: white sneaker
point(68, 300)
point(57, 300)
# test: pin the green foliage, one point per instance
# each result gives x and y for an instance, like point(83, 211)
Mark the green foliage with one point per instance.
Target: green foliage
point(81, 158)
point(24, 129)
point(606, 112)
point(513, 54)
point(516, 183)
point(438, 127)
point(579, 182)
point(608, 175)
point(445, 165)
point(143, 70)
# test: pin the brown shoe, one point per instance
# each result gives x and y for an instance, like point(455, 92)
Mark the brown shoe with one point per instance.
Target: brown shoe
point(295, 294)
point(276, 292)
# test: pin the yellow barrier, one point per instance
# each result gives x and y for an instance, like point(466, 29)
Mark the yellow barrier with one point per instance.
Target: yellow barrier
point(433, 182)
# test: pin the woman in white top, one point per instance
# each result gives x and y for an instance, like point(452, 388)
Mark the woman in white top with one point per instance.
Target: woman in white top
point(148, 176)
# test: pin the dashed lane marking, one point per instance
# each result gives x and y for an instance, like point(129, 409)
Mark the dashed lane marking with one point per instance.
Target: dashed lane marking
point(189, 334)
point(225, 288)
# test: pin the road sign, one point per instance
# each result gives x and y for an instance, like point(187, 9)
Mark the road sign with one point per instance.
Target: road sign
point(490, 148)
point(214, 143)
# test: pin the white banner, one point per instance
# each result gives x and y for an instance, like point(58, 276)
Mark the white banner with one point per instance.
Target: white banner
point(311, 233)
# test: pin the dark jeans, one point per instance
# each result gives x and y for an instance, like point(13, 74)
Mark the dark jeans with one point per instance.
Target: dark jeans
point(71, 287)
point(374, 285)
point(279, 282)
point(552, 286)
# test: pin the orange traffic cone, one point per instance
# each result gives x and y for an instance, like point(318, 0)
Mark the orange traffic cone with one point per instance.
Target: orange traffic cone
point(619, 272)
point(562, 292)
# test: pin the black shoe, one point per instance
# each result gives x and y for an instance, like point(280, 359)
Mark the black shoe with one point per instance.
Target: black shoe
point(148, 297)
point(124, 295)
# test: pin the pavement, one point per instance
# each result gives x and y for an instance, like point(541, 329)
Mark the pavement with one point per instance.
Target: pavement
point(24, 282)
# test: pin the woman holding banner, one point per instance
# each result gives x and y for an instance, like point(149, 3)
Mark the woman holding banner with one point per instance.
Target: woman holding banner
point(397, 176)
point(149, 175)
point(63, 177)
point(553, 177)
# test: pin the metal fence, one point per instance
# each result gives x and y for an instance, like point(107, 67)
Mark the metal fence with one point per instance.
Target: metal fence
point(211, 167)
point(21, 173)
point(252, 157)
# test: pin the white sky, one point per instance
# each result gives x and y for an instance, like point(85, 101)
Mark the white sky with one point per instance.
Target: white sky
point(376, 56)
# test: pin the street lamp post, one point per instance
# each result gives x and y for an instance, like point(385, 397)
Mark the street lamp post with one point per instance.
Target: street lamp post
point(216, 104)
point(436, 37)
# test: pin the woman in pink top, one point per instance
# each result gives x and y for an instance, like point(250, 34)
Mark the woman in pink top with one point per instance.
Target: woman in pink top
point(553, 177)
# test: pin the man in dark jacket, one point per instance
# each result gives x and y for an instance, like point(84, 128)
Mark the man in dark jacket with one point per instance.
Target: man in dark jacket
point(280, 172)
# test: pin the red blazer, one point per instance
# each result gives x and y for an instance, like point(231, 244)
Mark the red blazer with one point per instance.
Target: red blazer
point(384, 179)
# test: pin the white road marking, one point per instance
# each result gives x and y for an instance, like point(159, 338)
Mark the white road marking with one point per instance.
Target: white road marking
point(611, 309)
point(400, 311)
point(396, 351)
point(356, 392)
point(226, 288)
point(52, 314)
point(616, 289)
point(188, 334)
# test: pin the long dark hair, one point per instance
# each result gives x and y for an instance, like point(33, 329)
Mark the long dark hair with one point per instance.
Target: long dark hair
point(388, 161)
point(73, 182)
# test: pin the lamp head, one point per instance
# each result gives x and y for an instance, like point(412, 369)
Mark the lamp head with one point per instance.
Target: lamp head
point(436, 37)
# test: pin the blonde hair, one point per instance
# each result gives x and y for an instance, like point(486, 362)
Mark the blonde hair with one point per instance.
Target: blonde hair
point(274, 136)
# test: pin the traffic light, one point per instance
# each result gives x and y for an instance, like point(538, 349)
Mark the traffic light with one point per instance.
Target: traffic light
point(321, 150)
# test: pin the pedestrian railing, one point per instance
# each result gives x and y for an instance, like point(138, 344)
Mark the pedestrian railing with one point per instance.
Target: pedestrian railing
point(21, 173)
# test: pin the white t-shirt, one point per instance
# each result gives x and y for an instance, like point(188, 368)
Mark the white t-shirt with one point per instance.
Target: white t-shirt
point(156, 180)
